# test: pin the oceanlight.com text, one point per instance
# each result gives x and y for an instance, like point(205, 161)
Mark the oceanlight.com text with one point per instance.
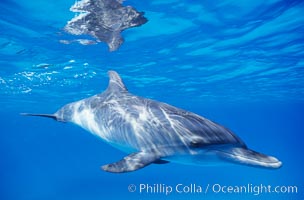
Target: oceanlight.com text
point(193, 188)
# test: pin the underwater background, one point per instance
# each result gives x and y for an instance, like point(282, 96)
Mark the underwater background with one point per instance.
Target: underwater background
point(238, 63)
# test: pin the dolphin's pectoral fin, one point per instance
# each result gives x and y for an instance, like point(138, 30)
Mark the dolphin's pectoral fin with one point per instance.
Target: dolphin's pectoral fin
point(131, 162)
point(250, 157)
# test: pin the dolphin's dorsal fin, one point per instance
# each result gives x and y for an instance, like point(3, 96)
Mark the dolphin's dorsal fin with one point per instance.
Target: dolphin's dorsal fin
point(115, 82)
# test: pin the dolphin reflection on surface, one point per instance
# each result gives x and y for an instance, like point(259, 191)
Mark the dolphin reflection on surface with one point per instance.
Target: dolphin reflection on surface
point(104, 20)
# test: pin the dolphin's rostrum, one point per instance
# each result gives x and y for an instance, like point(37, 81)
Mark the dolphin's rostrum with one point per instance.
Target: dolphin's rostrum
point(155, 132)
point(104, 20)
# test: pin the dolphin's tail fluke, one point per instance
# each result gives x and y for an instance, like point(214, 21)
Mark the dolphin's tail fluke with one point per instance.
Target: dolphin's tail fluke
point(40, 115)
point(250, 157)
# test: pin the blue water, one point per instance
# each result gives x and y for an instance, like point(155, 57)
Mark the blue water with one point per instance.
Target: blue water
point(238, 63)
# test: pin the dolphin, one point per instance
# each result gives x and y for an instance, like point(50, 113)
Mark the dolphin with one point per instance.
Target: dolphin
point(155, 132)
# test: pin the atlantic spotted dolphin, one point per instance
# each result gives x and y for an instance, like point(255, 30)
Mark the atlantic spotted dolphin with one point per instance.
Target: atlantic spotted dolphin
point(155, 132)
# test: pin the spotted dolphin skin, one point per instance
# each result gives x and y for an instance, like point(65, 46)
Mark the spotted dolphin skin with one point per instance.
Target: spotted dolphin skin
point(154, 132)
